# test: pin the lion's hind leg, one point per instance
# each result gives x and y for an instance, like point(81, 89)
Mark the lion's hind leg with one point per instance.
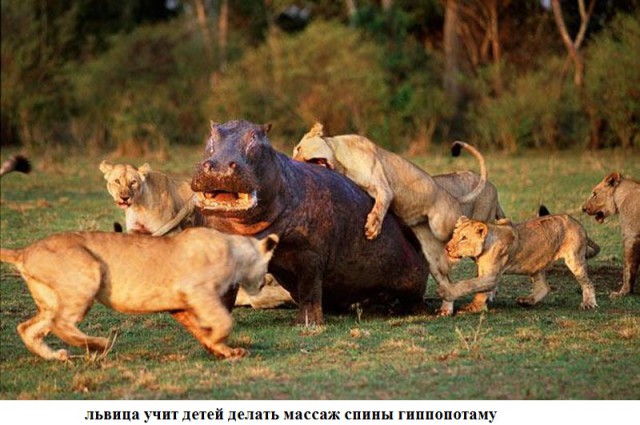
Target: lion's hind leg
point(35, 329)
point(577, 264)
point(538, 292)
point(65, 328)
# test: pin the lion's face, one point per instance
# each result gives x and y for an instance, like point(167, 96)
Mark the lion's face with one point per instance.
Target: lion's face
point(468, 239)
point(314, 149)
point(601, 203)
point(124, 182)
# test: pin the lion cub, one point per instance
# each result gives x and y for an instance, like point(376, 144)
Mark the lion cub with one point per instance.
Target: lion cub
point(186, 274)
point(527, 248)
point(150, 198)
point(616, 194)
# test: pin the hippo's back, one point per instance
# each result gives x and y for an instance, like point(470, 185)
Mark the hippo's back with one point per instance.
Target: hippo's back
point(327, 224)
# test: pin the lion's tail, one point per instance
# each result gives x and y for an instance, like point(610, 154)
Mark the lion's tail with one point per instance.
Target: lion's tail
point(13, 256)
point(593, 248)
point(456, 148)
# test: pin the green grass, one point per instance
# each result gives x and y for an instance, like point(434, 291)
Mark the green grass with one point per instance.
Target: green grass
point(551, 351)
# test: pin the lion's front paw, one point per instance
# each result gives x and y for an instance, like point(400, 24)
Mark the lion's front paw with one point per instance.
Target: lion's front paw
point(446, 309)
point(62, 355)
point(588, 305)
point(236, 353)
point(373, 227)
point(526, 301)
point(621, 293)
point(223, 351)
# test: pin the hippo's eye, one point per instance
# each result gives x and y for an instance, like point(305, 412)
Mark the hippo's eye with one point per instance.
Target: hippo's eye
point(252, 139)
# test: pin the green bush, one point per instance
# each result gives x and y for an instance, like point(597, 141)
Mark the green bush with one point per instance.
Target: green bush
point(144, 93)
point(536, 109)
point(613, 79)
point(326, 73)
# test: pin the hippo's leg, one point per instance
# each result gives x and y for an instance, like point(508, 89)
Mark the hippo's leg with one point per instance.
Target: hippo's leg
point(309, 291)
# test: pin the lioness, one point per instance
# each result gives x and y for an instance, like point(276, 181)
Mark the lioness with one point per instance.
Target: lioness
point(430, 205)
point(150, 198)
point(186, 274)
point(617, 194)
point(527, 248)
point(17, 163)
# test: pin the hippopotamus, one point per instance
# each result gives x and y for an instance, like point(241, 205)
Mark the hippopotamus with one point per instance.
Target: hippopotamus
point(245, 186)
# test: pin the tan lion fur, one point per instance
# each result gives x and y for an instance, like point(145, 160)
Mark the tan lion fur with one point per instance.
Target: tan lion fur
point(157, 204)
point(271, 295)
point(616, 194)
point(430, 205)
point(185, 274)
point(150, 198)
point(527, 248)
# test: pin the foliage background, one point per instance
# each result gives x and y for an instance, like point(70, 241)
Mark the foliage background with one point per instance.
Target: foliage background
point(141, 75)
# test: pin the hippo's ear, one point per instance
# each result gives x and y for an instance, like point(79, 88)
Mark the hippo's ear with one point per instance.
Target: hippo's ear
point(266, 127)
point(215, 130)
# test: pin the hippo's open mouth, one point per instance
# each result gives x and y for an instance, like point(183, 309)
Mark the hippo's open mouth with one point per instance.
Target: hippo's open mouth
point(221, 200)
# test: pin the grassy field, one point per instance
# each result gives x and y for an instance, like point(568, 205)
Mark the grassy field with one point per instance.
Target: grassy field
point(551, 351)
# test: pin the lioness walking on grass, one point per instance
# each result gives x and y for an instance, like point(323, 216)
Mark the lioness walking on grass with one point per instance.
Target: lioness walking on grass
point(527, 248)
point(187, 274)
point(617, 194)
point(149, 198)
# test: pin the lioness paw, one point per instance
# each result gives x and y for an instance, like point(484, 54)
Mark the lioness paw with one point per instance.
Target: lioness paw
point(62, 355)
point(373, 226)
point(236, 353)
point(446, 309)
point(228, 353)
point(618, 294)
point(588, 305)
point(526, 301)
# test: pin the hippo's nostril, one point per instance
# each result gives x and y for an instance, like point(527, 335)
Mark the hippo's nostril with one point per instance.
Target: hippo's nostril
point(208, 165)
point(233, 165)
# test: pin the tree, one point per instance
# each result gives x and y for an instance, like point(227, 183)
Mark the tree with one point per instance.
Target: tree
point(572, 47)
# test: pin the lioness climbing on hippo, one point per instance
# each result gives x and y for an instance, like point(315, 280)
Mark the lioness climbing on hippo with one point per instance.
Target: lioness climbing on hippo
point(244, 186)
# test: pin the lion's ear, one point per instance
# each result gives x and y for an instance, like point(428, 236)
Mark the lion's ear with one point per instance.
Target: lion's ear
point(144, 169)
point(317, 129)
point(613, 179)
point(105, 167)
point(482, 230)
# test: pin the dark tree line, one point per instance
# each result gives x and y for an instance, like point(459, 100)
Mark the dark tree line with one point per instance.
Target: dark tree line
point(139, 75)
